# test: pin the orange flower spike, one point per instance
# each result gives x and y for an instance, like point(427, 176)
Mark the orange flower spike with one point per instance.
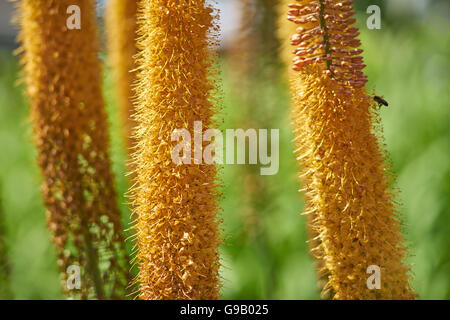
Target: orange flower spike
point(175, 206)
point(353, 216)
point(63, 83)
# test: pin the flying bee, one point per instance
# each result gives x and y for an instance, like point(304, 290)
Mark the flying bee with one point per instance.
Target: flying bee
point(380, 101)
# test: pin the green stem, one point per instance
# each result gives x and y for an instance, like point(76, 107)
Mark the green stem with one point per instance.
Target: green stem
point(323, 25)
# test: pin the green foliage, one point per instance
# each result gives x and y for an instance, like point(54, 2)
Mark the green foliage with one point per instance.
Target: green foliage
point(5, 290)
point(410, 68)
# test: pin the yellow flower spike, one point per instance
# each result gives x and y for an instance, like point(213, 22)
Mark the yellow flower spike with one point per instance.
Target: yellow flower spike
point(175, 206)
point(63, 82)
point(353, 214)
point(121, 31)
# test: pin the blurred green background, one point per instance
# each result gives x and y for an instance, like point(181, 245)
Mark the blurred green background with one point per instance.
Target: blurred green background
point(265, 252)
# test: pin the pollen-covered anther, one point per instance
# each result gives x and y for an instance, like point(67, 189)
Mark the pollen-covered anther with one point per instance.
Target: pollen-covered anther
point(341, 4)
point(313, 5)
point(63, 76)
point(301, 62)
point(298, 38)
point(341, 16)
point(306, 19)
point(345, 41)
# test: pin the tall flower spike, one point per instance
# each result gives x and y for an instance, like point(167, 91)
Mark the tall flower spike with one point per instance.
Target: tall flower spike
point(350, 202)
point(63, 79)
point(121, 32)
point(175, 205)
